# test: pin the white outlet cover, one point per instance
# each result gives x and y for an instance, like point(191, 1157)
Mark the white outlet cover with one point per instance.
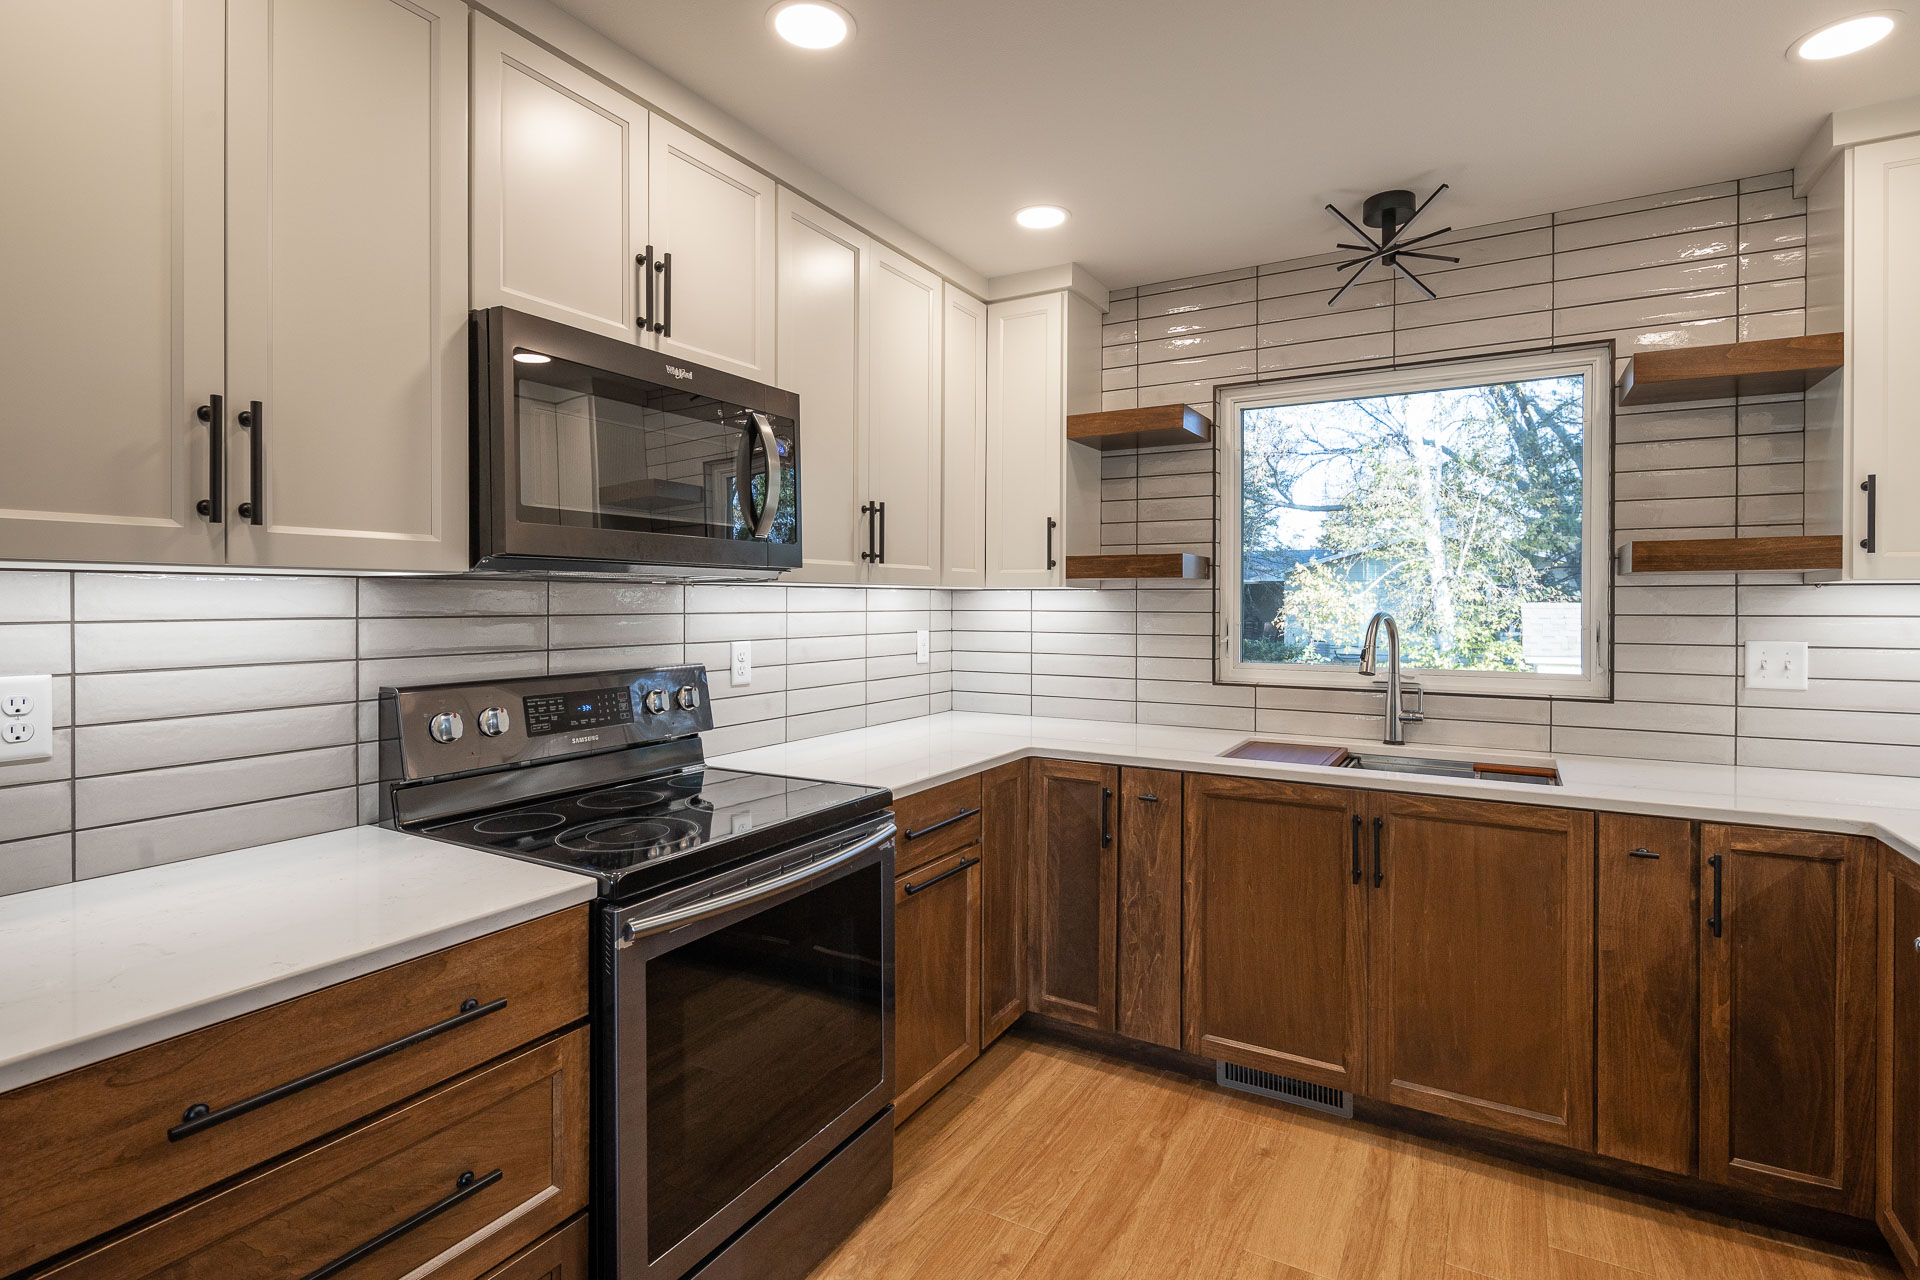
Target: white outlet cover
point(742, 662)
point(26, 720)
point(923, 647)
point(1777, 664)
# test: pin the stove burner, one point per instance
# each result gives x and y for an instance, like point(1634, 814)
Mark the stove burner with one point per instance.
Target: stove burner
point(631, 796)
point(516, 824)
point(688, 781)
point(624, 833)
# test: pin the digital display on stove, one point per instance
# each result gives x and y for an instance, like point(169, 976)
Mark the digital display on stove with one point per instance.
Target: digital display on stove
point(588, 709)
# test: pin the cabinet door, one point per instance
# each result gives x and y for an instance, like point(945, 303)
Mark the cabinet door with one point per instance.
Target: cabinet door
point(1897, 1192)
point(963, 483)
point(1026, 436)
point(1646, 1018)
point(936, 976)
point(715, 216)
point(1882, 378)
point(1149, 923)
point(1073, 893)
point(1481, 936)
point(903, 441)
point(110, 340)
point(1276, 929)
point(1003, 898)
point(1786, 1015)
point(559, 188)
point(346, 284)
point(823, 315)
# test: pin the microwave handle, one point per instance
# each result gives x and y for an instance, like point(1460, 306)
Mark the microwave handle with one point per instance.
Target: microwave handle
point(743, 481)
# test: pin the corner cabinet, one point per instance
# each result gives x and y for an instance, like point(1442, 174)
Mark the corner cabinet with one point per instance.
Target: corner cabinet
point(213, 202)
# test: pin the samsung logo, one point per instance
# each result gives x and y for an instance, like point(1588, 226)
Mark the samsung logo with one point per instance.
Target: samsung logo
point(678, 372)
point(591, 737)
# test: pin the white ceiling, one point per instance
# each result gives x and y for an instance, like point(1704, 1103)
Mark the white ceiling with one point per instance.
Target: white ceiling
point(1189, 136)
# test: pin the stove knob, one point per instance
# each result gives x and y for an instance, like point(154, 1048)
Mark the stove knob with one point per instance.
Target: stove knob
point(689, 697)
point(495, 721)
point(446, 727)
point(655, 702)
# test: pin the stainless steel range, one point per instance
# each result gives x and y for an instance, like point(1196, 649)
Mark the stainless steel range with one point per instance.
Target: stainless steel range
point(743, 1048)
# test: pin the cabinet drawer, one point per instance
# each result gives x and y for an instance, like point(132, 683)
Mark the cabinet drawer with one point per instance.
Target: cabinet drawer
point(87, 1151)
point(562, 1255)
point(462, 1178)
point(935, 822)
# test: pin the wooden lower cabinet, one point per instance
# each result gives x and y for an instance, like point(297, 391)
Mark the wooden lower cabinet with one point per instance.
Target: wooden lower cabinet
point(936, 976)
point(1897, 1187)
point(1003, 899)
point(1073, 893)
point(1787, 1014)
point(480, 1168)
point(1276, 928)
point(1481, 963)
point(1149, 963)
point(563, 1255)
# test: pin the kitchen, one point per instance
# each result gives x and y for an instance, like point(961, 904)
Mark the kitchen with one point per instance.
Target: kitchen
point(623, 667)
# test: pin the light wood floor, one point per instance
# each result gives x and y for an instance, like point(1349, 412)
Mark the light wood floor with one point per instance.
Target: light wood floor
point(1045, 1162)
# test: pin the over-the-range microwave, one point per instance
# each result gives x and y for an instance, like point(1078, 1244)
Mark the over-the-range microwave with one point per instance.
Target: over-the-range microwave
point(593, 455)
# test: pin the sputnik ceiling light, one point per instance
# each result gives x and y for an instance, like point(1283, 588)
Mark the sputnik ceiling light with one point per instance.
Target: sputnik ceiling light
point(1392, 212)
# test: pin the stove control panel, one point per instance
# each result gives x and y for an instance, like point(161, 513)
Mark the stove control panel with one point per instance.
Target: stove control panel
point(578, 709)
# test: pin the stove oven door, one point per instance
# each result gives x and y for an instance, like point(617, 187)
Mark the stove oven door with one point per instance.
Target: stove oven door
point(745, 1033)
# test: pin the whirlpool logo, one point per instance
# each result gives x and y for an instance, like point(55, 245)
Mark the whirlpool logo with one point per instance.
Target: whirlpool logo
point(678, 372)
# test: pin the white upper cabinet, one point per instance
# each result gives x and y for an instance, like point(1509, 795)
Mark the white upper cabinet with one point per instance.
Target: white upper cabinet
point(903, 455)
point(824, 264)
point(1026, 434)
point(1882, 394)
point(110, 339)
point(963, 540)
point(559, 188)
point(346, 283)
point(712, 221)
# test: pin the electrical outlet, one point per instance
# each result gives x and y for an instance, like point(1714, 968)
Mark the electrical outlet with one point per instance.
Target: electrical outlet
point(742, 662)
point(923, 647)
point(1776, 664)
point(26, 719)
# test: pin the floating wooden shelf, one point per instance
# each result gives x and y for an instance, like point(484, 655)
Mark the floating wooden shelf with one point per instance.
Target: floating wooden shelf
point(1773, 366)
point(1139, 566)
point(1140, 428)
point(1730, 555)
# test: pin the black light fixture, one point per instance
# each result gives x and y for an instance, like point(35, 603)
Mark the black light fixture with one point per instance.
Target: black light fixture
point(1393, 212)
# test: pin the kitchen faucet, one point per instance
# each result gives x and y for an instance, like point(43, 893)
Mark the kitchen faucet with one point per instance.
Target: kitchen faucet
point(1395, 715)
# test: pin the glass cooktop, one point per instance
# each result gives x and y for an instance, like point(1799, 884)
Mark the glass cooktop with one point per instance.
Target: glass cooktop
point(658, 832)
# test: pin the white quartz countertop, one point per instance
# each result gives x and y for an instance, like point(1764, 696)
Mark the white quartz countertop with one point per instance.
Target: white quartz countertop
point(912, 755)
point(98, 967)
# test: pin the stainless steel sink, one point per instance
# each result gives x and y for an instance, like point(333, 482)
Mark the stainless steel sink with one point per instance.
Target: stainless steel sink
point(1446, 769)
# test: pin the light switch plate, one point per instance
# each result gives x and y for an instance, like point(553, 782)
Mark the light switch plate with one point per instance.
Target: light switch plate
point(1776, 664)
point(923, 647)
point(742, 662)
point(26, 719)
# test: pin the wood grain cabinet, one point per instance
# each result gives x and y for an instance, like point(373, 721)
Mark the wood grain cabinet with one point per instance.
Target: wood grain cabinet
point(563, 1255)
point(936, 976)
point(1150, 960)
point(1897, 1187)
point(1481, 963)
point(1787, 1014)
point(1073, 893)
point(1003, 898)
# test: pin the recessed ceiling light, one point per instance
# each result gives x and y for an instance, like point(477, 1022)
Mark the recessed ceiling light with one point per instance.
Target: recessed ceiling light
point(1039, 217)
point(1839, 39)
point(532, 357)
point(811, 24)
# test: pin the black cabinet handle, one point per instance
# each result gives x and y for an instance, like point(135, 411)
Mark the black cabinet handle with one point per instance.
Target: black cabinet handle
point(200, 1116)
point(214, 414)
point(1106, 815)
point(912, 888)
point(1713, 921)
point(643, 284)
point(254, 420)
point(961, 816)
point(1149, 798)
point(871, 511)
point(1052, 524)
point(1356, 848)
point(881, 509)
point(465, 1187)
point(665, 268)
point(1642, 852)
point(1379, 875)
point(1871, 487)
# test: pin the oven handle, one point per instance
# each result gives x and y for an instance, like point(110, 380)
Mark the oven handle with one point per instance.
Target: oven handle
point(646, 926)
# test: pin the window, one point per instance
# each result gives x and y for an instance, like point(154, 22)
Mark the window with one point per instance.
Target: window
point(1470, 500)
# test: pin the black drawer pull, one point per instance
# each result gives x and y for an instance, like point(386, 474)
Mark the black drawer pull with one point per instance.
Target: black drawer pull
point(201, 1116)
point(1356, 848)
point(961, 816)
point(1871, 487)
point(1379, 873)
point(466, 1187)
point(1713, 921)
point(214, 414)
point(254, 420)
point(949, 873)
point(1642, 852)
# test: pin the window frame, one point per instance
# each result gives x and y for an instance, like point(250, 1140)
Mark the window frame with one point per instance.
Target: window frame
point(1593, 360)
